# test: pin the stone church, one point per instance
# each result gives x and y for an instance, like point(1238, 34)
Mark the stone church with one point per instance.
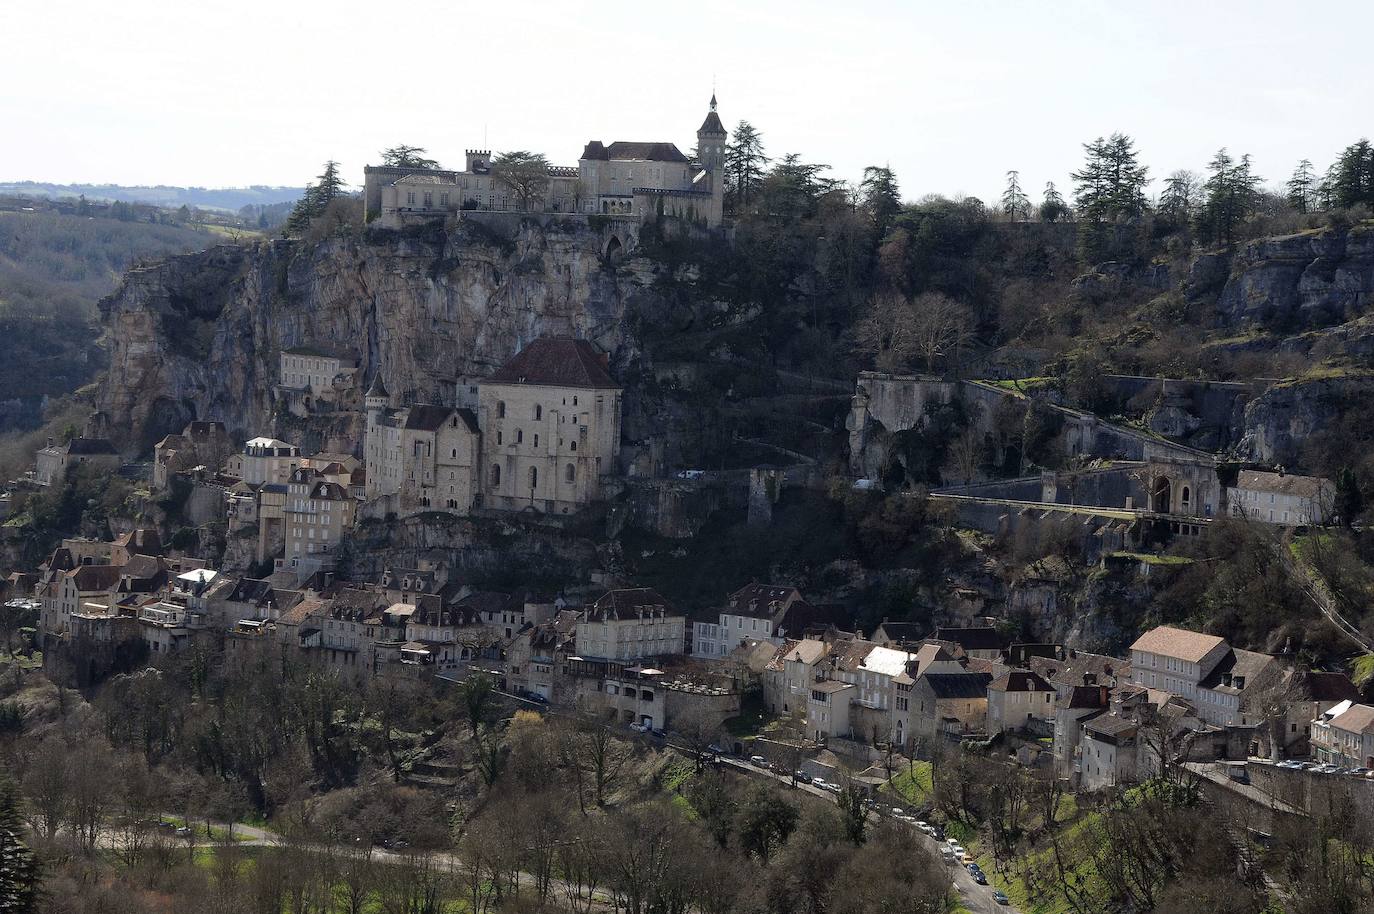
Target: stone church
point(545, 433)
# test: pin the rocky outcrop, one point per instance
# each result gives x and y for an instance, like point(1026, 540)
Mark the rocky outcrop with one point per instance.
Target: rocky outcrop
point(1310, 279)
point(1278, 422)
point(199, 335)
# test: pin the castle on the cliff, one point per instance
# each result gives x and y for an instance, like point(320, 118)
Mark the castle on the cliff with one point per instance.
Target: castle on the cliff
point(636, 179)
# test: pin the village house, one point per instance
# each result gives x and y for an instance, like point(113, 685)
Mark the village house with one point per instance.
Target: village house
point(1018, 697)
point(316, 515)
point(1175, 660)
point(981, 642)
point(1281, 498)
point(52, 462)
point(767, 612)
point(1108, 751)
point(200, 444)
point(1344, 735)
point(630, 624)
point(827, 709)
point(267, 460)
point(1073, 707)
point(315, 376)
point(949, 704)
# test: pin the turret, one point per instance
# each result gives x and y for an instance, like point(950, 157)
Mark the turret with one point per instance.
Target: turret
point(376, 399)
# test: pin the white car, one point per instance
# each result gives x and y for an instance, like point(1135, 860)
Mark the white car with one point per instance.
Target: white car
point(758, 761)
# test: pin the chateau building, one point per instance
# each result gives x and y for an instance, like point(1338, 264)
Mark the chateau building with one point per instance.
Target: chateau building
point(641, 179)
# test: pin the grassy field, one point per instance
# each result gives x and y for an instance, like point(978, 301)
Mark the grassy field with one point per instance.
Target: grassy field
point(914, 785)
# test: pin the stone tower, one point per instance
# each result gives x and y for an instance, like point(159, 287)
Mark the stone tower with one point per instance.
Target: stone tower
point(711, 151)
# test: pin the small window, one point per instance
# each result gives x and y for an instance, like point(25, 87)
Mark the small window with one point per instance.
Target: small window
point(519, 436)
point(569, 473)
point(573, 445)
point(538, 412)
point(496, 474)
point(534, 477)
point(500, 409)
point(536, 440)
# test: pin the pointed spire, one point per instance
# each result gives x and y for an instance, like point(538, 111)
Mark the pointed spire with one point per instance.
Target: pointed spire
point(713, 100)
point(378, 389)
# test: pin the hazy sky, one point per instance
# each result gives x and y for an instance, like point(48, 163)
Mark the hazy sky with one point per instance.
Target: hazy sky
point(950, 94)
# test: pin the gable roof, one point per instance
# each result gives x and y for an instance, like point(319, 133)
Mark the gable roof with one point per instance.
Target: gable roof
point(1329, 687)
point(1281, 483)
point(1237, 663)
point(1180, 643)
point(424, 417)
point(1020, 681)
point(627, 602)
point(556, 361)
point(91, 447)
point(620, 149)
point(977, 638)
point(958, 685)
point(1358, 719)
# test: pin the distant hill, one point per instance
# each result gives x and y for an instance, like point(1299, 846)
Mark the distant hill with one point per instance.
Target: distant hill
point(223, 198)
point(54, 267)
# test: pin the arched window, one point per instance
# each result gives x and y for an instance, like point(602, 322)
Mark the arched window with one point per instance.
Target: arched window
point(570, 473)
point(534, 477)
point(573, 445)
point(500, 409)
point(538, 412)
point(536, 439)
point(455, 453)
point(519, 436)
point(496, 474)
point(1187, 496)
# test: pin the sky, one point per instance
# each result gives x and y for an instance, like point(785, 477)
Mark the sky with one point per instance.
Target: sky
point(950, 95)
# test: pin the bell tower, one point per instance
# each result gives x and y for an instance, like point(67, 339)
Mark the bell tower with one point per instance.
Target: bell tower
point(711, 151)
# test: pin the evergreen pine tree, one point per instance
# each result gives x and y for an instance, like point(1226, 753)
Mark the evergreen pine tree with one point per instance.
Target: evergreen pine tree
point(19, 872)
point(880, 196)
point(1301, 187)
point(1053, 207)
point(744, 164)
point(1015, 203)
point(1232, 194)
point(1352, 176)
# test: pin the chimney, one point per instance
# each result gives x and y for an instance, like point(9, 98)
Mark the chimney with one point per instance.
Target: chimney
point(1238, 682)
point(1104, 695)
point(1226, 679)
point(1090, 679)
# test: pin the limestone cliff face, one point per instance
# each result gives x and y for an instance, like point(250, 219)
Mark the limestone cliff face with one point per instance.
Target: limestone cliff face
point(199, 336)
point(1306, 280)
point(1279, 421)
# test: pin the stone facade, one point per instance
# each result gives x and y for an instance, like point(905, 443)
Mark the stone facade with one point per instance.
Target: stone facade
point(643, 180)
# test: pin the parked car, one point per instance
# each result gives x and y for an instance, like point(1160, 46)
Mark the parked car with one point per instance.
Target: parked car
point(758, 761)
point(979, 878)
point(897, 811)
point(183, 832)
point(1000, 897)
point(974, 868)
point(802, 777)
point(1361, 772)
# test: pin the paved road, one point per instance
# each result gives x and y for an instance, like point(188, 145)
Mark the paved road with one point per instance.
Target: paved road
point(976, 898)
